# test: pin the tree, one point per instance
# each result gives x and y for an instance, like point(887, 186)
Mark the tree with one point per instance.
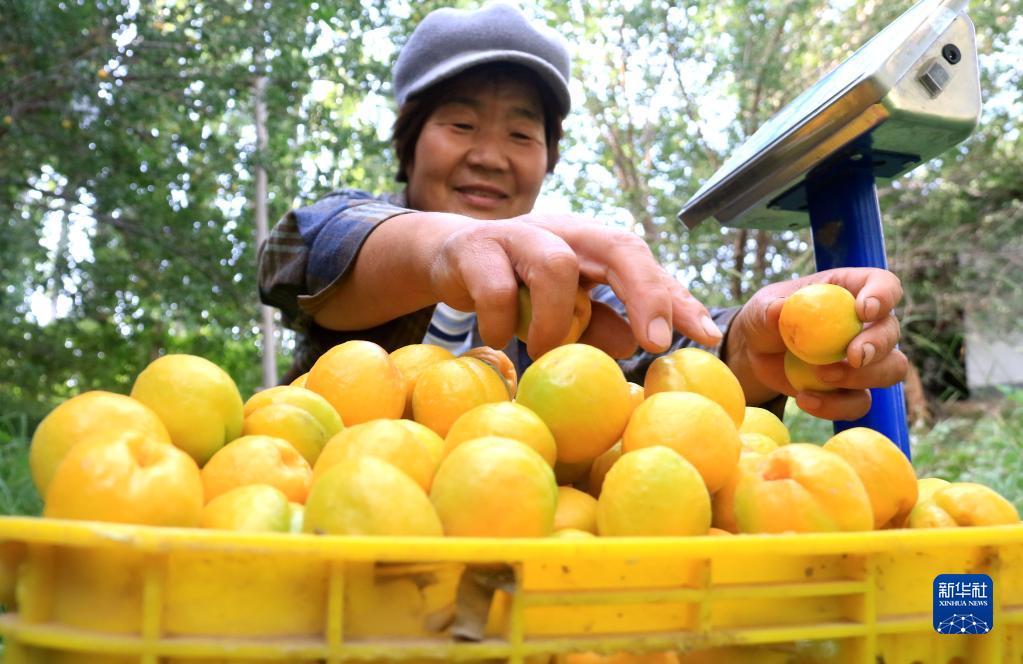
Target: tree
point(655, 69)
point(128, 155)
point(655, 95)
point(128, 152)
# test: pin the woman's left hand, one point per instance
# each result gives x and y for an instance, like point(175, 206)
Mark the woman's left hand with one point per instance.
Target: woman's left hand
point(756, 352)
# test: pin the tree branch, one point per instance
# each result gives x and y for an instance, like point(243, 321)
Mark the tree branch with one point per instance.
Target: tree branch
point(751, 112)
point(189, 255)
point(691, 109)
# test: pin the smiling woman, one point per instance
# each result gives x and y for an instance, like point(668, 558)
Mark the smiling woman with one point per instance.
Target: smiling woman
point(481, 97)
point(540, 109)
point(482, 149)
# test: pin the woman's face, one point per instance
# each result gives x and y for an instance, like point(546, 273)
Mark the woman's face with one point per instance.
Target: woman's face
point(482, 153)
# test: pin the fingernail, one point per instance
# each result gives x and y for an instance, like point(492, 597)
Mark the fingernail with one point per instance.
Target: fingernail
point(659, 332)
point(809, 402)
point(831, 374)
point(868, 354)
point(871, 307)
point(709, 327)
point(778, 302)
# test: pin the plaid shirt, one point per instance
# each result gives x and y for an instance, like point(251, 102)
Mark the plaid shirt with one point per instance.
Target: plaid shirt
point(311, 249)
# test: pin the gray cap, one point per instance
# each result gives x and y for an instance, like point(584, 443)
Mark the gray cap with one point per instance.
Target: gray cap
point(449, 41)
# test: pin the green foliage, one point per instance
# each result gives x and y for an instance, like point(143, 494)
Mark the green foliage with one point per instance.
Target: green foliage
point(804, 428)
point(955, 241)
point(128, 150)
point(671, 91)
point(18, 494)
point(986, 447)
point(724, 68)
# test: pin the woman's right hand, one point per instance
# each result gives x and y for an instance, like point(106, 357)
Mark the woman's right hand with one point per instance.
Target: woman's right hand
point(478, 265)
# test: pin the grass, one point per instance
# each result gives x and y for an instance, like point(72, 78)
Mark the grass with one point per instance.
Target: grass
point(17, 492)
point(984, 447)
point(805, 428)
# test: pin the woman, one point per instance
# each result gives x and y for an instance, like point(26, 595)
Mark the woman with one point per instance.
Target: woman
point(482, 95)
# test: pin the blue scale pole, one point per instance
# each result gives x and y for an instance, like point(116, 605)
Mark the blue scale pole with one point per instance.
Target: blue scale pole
point(845, 220)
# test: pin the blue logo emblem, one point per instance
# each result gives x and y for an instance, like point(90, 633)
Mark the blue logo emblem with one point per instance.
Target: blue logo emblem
point(963, 604)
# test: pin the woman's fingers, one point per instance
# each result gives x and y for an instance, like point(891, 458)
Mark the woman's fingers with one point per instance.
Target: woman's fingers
point(769, 369)
point(877, 291)
point(493, 289)
point(640, 284)
point(491, 259)
point(551, 273)
point(656, 304)
point(609, 332)
point(851, 398)
point(691, 317)
point(840, 405)
point(883, 373)
point(875, 342)
point(757, 323)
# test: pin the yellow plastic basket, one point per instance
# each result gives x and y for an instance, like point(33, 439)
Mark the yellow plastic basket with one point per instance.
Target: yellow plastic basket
point(90, 592)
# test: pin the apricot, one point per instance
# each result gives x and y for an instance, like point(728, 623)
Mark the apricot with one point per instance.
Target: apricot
point(817, 322)
point(696, 370)
point(963, 504)
point(802, 488)
point(885, 471)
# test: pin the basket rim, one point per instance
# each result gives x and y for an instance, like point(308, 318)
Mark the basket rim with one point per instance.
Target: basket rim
point(158, 540)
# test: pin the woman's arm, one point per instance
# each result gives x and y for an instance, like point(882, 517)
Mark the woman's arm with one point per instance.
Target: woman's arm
point(391, 274)
point(419, 258)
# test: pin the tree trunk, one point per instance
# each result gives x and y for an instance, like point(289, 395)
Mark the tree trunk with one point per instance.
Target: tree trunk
point(740, 263)
point(761, 238)
point(262, 228)
point(917, 410)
